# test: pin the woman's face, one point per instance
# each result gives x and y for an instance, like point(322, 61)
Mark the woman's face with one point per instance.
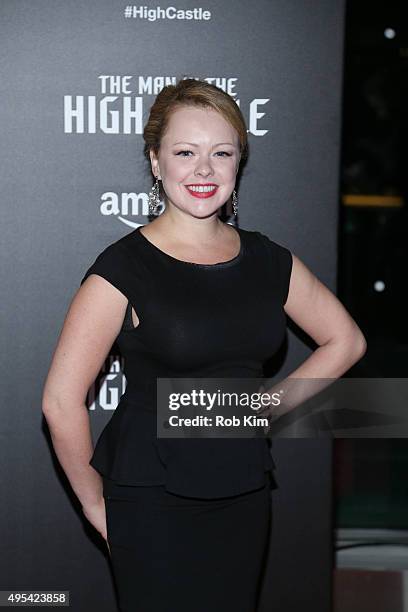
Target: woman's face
point(199, 148)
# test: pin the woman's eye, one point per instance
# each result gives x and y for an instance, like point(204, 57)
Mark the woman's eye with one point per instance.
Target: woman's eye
point(219, 153)
point(181, 153)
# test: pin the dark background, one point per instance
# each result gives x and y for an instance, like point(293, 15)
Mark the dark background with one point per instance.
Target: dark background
point(371, 475)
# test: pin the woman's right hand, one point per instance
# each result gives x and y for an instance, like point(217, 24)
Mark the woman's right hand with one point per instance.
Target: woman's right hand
point(96, 515)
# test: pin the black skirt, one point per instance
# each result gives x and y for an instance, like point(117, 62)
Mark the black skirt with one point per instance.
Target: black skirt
point(177, 554)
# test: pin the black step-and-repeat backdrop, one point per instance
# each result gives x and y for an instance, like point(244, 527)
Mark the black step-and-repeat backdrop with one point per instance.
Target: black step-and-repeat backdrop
point(77, 81)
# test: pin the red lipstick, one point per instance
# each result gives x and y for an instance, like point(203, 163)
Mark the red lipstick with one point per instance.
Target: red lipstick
point(202, 190)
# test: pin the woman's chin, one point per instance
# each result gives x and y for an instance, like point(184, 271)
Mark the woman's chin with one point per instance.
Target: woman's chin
point(200, 210)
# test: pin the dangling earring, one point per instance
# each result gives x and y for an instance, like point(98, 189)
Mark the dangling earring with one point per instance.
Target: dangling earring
point(154, 198)
point(235, 202)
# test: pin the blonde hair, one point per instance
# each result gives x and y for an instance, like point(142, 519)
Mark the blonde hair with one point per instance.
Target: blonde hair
point(191, 92)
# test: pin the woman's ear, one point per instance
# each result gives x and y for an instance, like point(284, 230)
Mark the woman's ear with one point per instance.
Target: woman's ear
point(154, 164)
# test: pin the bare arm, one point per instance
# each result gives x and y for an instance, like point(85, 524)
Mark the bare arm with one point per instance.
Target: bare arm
point(92, 323)
point(316, 310)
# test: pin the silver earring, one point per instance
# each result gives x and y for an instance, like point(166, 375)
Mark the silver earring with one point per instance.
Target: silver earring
point(235, 202)
point(154, 198)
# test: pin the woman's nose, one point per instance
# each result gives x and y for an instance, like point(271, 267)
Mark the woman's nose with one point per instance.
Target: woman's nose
point(204, 168)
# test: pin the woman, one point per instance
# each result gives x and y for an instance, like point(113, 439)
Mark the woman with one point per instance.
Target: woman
point(188, 295)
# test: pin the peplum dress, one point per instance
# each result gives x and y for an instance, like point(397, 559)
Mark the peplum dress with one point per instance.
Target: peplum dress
point(220, 320)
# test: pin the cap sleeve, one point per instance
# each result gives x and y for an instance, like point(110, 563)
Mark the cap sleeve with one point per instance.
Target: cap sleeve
point(113, 264)
point(285, 266)
point(281, 260)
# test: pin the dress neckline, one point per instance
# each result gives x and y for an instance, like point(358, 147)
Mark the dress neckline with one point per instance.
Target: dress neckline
point(221, 264)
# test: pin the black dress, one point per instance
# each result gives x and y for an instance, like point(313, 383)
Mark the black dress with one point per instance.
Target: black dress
point(188, 518)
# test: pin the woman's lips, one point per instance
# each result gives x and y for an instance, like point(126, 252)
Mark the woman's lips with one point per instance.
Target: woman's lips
point(202, 194)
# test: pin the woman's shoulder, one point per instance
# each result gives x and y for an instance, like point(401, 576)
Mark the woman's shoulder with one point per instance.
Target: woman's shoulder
point(116, 259)
point(278, 260)
point(264, 241)
point(121, 247)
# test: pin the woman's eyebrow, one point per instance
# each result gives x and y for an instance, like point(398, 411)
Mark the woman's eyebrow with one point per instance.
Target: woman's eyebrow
point(192, 144)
